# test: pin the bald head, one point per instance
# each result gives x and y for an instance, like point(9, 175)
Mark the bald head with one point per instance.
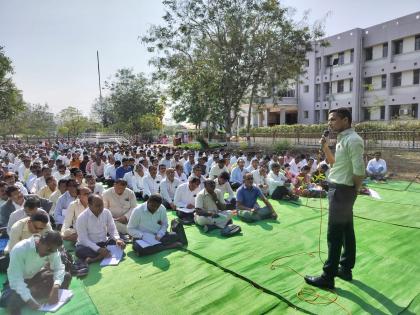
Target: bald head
point(96, 204)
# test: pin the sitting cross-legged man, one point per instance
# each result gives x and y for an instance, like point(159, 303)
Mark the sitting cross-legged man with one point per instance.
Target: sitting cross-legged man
point(246, 202)
point(376, 168)
point(149, 223)
point(210, 207)
point(28, 278)
point(93, 226)
point(184, 199)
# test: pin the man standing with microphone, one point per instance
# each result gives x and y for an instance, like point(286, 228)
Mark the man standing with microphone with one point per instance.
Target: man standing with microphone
point(345, 179)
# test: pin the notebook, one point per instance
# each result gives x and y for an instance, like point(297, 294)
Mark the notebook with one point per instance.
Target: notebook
point(63, 297)
point(186, 210)
point(116, 256)
point(147, 240)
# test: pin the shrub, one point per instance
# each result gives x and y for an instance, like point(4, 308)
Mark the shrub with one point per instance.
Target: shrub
point(198, 146)
point(282, 146)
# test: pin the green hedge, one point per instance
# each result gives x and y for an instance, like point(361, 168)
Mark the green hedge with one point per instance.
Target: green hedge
point(198, 146)
point(411, 125)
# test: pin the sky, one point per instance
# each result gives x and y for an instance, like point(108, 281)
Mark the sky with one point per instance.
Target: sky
point(53, 43)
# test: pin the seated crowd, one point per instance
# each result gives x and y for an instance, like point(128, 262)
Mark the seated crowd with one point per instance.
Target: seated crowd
point(89, 196)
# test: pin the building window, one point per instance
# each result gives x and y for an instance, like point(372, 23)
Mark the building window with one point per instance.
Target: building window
point(367, 85)
point(340, 86)
point(306, 114)
point(396, 79)
point(385, 50)
point(328, 61)
point(382, 112)
point(317, 116)
point(416, 74)
point(383, 81)
point(368, 54)
point(366, 113)
point(326, 89)
point(351, 85)
point(305, 88)
point(318, 66)
point(341, 58)
point(398, 47)
point(417, 43)
point(317, 92)
point(352, 56)
point(306, 62)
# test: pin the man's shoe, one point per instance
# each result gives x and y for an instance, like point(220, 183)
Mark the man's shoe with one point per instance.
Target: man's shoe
point(344, 274)
point(320, 282)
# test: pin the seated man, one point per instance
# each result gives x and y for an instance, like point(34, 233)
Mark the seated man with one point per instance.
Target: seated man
point(150, 220)
point(93, 227)
point(167, 189)
point(135, 181)
point(210, 207)
point(179, 173)
point(279, 185)
point(196, 172)
point(376, 168)
point(222, 184)
point(37, 223)
point(238, 173)
point(260, 178)
point(30, 206)
point(68, 230)
point(64, 202)
point(151, 182)
point(184, 199)
point(246, 200)
point(120, 201)
point(49, 188)
point(218, 169)
point(28, 279)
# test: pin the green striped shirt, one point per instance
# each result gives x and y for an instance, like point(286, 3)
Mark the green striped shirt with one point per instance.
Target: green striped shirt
point(348, 158)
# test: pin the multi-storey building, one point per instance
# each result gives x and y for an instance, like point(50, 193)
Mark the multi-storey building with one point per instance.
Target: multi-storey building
point(374, 72)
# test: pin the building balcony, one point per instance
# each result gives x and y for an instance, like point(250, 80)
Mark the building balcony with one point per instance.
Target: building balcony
point(375, 62)
point(406, 90)
point(411, 55)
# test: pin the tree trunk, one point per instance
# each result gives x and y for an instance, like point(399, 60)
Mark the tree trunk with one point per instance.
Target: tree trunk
point(248, 126)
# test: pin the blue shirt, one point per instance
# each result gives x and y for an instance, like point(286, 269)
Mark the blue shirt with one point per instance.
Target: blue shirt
point(238, 175)
point(248, 196)
point(120, 172)
point(62, 204)
point(187, 168)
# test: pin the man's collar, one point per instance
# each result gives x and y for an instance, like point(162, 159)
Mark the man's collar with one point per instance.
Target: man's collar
point(345, 132)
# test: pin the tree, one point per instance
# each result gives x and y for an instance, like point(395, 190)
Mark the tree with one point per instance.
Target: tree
point(131, 96)
point(72, 119)
point(11, 101)
point(214, 53)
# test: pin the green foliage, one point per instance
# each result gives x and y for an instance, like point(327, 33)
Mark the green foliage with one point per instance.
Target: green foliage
point(212, 53)
point(283, 146)
point(72, 119)
point(133, 105)
point(11, 101)
point(198, 146)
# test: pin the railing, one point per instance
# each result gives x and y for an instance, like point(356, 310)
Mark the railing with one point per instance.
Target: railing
point(405, 140)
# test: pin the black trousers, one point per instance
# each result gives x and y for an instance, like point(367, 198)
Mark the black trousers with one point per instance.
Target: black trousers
point(340, 234)
point(167, 239)
point(235, 186)
point(279, 193)
point(84, 252)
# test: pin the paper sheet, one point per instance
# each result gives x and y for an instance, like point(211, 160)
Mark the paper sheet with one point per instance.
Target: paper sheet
point(116, 256)
point(186, 210)
point(63, 297)
point(147, 240)
point(374, 194)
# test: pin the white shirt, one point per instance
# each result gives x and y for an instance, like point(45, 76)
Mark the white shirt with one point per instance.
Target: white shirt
point(92, 229)
point(184, 196)
point(275, 181)
point(25, 262)
point(294, 169)
point(143, 221)
point(258, 178)
point(215, 171)
point(57, 175)
point(182, 178)
point(151, 185)
point(38, 184)
point(73, 211)
point(23, 173)
point(134, 181)
point(376, 164)
point(167, 189)
point(109, 171)
point(225, 188)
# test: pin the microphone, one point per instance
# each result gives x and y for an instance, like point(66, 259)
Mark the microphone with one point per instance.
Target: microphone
point(325, 134)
